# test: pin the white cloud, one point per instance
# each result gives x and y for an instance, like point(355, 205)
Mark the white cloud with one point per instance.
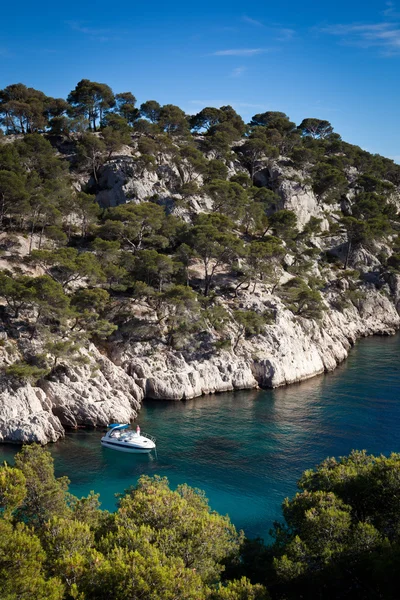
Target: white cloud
point(238, 71)
point(391, 11)
point(285, 33)
point(240, 52)
point(280, 33)
point(81, 28)
point(384, 35)
point(251, 21)
point(100, 35)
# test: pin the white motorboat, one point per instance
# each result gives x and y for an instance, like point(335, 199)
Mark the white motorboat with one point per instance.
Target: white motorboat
point(118, 438)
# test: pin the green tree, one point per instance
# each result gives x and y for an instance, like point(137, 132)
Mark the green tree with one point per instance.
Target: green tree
point(182, 525)
point(26, 110)
point(87, 210)
point(58, 349)
point(254, 150)
point(316, 128)
point(239, 590)
point(262, 262)
point(137, 225)
point(117, 123)
point(329, 183)
point(177, 311)
point(43, 214)
point(66, 265)
point(228, 198)
point(190, 163)
point(301, 299)
point(109, 256)
point(213, 246)
point(89, 307)
point(125, 105)
point(144, 573)
point(49, 302)
point(91, 153)
point(12, 194)
point(45, 494)
point(283, 222)
point(302, 156)
point(91, 99)
point(12, 490)
point(67, 543)
point(153, 268)
point(340, 535)
point(22, 573)
point(173, 120)
point(114, 139)
point(206, 119)
point(248, 323)
point(356, 233)
point(273, 120)
point(38, 158)
point(151, 110)
point(17, 291)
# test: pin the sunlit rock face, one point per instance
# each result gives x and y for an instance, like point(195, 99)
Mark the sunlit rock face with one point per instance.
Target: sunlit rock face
point(291, 349)
point(92, 395)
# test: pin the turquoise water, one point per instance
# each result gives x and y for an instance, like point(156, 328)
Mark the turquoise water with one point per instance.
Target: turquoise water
point(247, 449)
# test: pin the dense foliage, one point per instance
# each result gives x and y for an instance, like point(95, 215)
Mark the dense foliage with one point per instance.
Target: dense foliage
point(339, 538)
point(341, 534)
point(159, 544)
point(177, 271)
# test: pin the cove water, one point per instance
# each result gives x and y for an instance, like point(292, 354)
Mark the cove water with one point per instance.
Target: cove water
point(247, 449)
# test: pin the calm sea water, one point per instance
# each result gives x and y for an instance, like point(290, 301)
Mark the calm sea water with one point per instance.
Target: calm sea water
point(247, 449)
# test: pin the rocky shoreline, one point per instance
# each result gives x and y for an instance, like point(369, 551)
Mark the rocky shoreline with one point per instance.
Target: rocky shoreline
point(114, 380)
point(112, 389)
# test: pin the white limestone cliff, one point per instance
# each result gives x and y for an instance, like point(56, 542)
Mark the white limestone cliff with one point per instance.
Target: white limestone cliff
point(91, 395)
point(291, 349)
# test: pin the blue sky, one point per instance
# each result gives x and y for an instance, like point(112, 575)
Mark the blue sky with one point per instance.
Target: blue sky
point(334, 60)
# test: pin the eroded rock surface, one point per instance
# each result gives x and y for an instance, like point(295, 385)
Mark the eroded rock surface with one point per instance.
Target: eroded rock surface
point(289, 351)
point(91, 395)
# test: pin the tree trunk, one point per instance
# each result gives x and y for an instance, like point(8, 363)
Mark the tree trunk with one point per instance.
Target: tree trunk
point(95, 171)
point(207, 282)
point(239, 337)
point(31, 238)
point(40, 237)
point(346, 262)
point(3, 208)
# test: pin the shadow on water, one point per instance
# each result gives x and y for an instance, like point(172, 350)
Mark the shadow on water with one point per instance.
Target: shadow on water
point(247, 449)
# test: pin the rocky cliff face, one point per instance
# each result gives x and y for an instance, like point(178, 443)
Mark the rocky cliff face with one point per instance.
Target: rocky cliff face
point(91, 395)
point(107, 390)
point(289, 350)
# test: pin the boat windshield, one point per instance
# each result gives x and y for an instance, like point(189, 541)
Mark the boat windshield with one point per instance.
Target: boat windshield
point(124, 434)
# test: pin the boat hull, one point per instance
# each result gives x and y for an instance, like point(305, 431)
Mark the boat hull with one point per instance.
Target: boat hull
point(121, 447)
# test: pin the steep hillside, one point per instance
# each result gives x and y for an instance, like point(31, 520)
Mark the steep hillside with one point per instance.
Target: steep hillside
point(147, 253)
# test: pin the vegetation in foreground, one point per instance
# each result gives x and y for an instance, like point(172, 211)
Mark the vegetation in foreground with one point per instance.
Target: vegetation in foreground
point(339, 538)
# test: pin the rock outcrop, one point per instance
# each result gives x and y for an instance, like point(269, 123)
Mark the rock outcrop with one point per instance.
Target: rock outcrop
point(289, 351)
point(25, 416)
point(171, 377)
point(91, 395)
point(105, 389)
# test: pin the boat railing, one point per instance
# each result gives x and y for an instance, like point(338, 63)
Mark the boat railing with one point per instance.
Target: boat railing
point(147, 435)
